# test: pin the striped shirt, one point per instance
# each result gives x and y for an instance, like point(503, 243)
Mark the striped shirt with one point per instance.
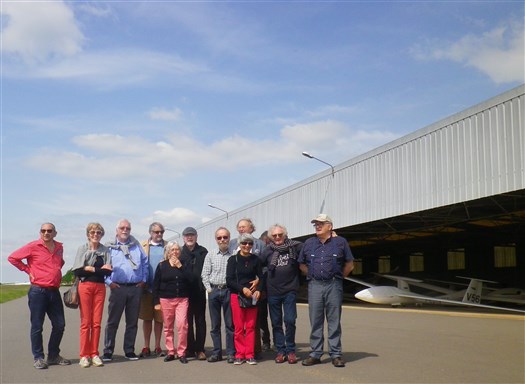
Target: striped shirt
point(214, 268)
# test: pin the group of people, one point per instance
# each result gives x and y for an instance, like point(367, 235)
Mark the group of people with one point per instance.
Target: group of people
point(168, 285)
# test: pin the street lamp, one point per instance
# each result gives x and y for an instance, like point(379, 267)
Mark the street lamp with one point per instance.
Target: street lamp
point(171, 230)
point(220, 209)
point(306, 154)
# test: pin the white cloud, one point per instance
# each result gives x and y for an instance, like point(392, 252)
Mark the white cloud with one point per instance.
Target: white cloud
point(37, 31)
point(95, 10)
point(174, 217)
point(314, 134)
point(110, 68)
point(116, 157)
point(499, 53)
point(174, 114)
point(330, 110)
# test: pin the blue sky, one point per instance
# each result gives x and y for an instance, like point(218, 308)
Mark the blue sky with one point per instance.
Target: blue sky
point(151, 110)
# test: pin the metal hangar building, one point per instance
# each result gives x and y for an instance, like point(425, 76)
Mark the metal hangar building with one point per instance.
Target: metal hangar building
point(444, 201)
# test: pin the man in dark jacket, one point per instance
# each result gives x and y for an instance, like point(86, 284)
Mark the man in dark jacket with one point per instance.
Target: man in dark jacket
point(195, 254)
point(282, 282)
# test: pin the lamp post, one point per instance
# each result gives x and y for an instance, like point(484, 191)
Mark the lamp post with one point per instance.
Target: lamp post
point(306, 154)
point(172, 230)
point(220, 209)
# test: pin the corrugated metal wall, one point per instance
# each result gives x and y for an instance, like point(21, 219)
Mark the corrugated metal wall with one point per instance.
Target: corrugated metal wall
point(476, 153)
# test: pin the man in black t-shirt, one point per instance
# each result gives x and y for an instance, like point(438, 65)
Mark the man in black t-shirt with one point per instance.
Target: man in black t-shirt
point(282, 282)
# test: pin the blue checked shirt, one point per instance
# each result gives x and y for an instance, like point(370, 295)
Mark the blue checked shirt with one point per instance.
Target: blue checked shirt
point(214, 268)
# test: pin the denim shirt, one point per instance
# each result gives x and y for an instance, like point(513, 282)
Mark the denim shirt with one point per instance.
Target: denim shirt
point(326, 260)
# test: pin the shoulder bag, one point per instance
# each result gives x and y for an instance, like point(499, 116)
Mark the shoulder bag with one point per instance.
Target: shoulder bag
point(71, 295)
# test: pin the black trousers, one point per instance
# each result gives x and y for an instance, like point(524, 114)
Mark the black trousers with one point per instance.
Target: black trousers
point(196, 323)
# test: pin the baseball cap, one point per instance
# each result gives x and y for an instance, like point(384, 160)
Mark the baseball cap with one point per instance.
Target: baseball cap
point(322, 218)
point(189, 231)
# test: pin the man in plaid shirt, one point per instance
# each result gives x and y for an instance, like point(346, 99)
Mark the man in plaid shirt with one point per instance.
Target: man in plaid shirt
point(214, 280)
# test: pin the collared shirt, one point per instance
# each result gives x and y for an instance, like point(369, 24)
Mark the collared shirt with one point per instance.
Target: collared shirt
point(129, 269)
point(44, 266)
point(326, 260)
point(214, 268)
point(155, 253)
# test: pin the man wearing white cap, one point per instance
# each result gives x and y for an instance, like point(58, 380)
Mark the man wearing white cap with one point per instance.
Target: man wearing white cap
point(326, 260)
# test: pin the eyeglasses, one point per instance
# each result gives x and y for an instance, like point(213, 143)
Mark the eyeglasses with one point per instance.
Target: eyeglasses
point(223, 237)
point(95, 232)
point(124, 228)
point(319, 224)
point(158, 232)
point(246, 243)
point(46, 231)
point(276, 235)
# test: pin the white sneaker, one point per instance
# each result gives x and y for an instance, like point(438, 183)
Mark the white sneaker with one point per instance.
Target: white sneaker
point(97, 361)
point(84, 362)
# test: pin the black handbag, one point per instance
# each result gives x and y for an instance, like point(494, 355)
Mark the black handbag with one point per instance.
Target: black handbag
point(244, 302)
point(71, 295)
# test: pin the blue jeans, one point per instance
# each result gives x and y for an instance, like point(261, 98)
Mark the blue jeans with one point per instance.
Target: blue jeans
point(219, 299)
point(44, 301)
point(325, 297)
point(284, 341)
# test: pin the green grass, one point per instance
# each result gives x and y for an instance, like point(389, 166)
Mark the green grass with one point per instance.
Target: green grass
point(12, 292)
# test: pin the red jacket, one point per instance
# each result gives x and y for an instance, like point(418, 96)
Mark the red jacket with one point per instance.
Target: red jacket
point(45, 267)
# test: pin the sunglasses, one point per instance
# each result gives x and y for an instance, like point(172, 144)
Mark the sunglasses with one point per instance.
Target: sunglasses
point(123, 228)
point(247, 243)
point(158, 232)
point(46, 231)
point(276, 235)
point(223, 237)
point(95, 232)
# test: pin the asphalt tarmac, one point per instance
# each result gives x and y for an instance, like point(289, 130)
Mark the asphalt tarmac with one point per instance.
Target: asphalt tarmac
point(381, 345)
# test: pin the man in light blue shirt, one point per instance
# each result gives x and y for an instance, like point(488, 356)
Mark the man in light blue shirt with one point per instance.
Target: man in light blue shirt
point(128, 279)
point(151, 317)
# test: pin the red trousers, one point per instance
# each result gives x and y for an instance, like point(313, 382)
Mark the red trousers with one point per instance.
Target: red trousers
point(91, 304)
point(244, 320)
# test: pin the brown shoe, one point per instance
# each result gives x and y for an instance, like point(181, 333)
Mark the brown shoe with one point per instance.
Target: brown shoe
point(338, 362)
point(311, 361)
point(201, 356)
point(280, 358)
point(292, 358)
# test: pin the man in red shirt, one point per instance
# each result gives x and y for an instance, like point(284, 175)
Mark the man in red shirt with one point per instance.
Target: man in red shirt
point(44, 261)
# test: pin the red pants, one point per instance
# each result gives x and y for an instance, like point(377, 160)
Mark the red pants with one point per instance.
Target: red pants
point(244, 320)
point(91, 304)
point(175, 311)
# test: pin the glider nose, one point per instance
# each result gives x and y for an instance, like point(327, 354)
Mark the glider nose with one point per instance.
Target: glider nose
point(364, 295)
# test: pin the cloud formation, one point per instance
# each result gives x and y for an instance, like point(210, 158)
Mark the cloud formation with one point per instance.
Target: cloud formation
point(40, 31)
point(499, 53)
point(119, 157)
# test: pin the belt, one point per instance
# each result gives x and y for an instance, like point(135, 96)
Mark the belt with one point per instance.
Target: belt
point(48, 288)
point(324, 278)
point(219, 286)
point(127, 284)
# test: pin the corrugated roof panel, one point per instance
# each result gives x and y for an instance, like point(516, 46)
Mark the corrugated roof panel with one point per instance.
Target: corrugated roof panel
point(476, 153)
